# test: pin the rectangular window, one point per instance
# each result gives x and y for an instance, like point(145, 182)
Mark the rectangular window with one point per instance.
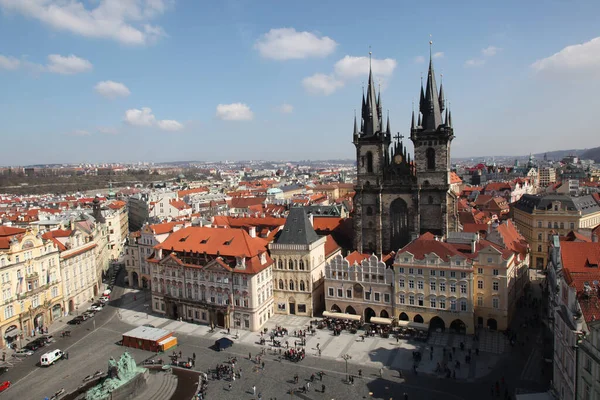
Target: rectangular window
point(463, 288)
point(377, 296)
point(432, 272)
point(411, 271)
point(479, 301)
point(411, 300)
point(411, 284)
point(453, 288)
point(302, 308)
point(401, 283)
point(432, 286)
point(340, 292)
point(386, 297)
point(401, 270)
point(495, 286)
point(432, 303)
point(420, 271)
point(401, 299)
point(463, 275)
point(349, 293)
point(463, 306)
point(443, 304)
point(480, 271)
point(453, 305)
point(442, 273)
point(442, 286)
point(479, 284)
point(367, 295)
point(420, 301)
point(496, 302)
point(420, 285)
point(452, 274)
point(331, 292)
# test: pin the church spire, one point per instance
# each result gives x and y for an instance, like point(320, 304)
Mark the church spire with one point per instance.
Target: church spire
point(449, 123)
point(442, 100)
point(355, 126)
point(430, 102)
point(371, 113)
point(412, 120)
point(388, 130)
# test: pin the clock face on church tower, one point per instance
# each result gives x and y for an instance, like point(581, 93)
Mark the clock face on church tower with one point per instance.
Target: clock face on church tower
point(398, 158)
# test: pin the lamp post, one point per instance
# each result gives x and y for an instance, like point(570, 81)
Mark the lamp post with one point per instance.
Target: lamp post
point(347, 357)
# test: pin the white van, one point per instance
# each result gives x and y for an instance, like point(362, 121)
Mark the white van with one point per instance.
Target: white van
point(50, 357)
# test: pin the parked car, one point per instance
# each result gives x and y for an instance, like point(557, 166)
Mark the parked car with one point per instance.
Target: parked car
point(47, 338)
point(107, 293)
point(76, 321)
point(33, 346)
point(104, 299)
point(98, 304)
point(94, 308)
point(184, 364)
point(22, 353)
point(4, 385)
point(88, 314)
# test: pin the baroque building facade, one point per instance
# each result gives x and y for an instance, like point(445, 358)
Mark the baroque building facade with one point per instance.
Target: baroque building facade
point(217, 276)
point(398, 198)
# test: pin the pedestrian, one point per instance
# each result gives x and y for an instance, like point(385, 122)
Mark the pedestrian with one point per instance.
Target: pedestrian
point(360, 372)
point(194, 356)
point(322, 388)
point(228, 330)
point(318, 344)
point(259, 396)
point(263, 365)
point(397, 338)
point(180, 353)
point(249, 356)
point(230, 387)
point(253, 390)
point(381, 372)
point(307, 386)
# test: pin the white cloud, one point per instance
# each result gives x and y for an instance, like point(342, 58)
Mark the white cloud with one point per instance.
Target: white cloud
point(490, 51)
point(287, 44)
point(474, 62)
point(170, 125)
point(111, 89)
point(574, 59)
point(322, 84)
point(108, 130)
point(439, 54)
point(419, 60)
point(120, 20)
point(68, 65)
point(234, 112)
point(352, 67)
point(144, 117)
point(285, 108)
point(9, 63)
point(80, 132)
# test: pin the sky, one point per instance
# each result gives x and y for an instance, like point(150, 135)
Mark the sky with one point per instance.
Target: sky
point(164, 80)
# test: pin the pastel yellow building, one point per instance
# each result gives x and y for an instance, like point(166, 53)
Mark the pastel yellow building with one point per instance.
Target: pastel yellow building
point(30, 280)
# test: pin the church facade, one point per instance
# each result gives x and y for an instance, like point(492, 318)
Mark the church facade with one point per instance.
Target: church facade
point(399, 197)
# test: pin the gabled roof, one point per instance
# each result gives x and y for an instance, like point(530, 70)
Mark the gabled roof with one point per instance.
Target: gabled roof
point(297, 229)
point(331, 246)
point(579, 257)
point(356, 257)
point(426, 244)
point(454, 178)
point(10, 231)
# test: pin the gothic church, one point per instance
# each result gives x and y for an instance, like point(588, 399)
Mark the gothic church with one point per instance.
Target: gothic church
point(398, 198)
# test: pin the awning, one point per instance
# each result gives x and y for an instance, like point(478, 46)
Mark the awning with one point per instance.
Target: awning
point(414, 325)
point(12, 332)
point(381, 321)
point(336, 315)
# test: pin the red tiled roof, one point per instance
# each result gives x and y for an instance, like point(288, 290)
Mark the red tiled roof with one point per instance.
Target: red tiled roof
point(117, 204)
point(513, 240)
point(179, 204)
point(497, 186)
point(10, 231)
point(165, 227)
point(183, 193)
point(331, 246)
point(474, 227)
point(580, 257)
point(356, 257)
point(326, 224)
point(426, 244)
point(245, 202)
point(454, 178)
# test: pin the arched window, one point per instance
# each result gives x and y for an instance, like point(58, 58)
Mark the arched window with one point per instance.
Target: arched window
point(280, 264)
point(281, 284)
point(562, 225)
point(301, 265)
point(291, 284)
point(556, 225)
point(290, 264)
point(302, 287)
point(369, 161)
point(430, 155)
point(369, 211)
point(430, 199)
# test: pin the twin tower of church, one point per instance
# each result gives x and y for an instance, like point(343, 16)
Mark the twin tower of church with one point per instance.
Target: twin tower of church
point(399, 197)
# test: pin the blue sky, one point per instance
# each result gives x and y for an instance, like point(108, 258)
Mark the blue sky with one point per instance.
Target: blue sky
point(160, 80)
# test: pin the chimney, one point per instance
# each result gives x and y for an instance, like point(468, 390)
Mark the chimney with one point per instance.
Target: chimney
point(474, 245)
point(310, 218)
point(252, 231)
